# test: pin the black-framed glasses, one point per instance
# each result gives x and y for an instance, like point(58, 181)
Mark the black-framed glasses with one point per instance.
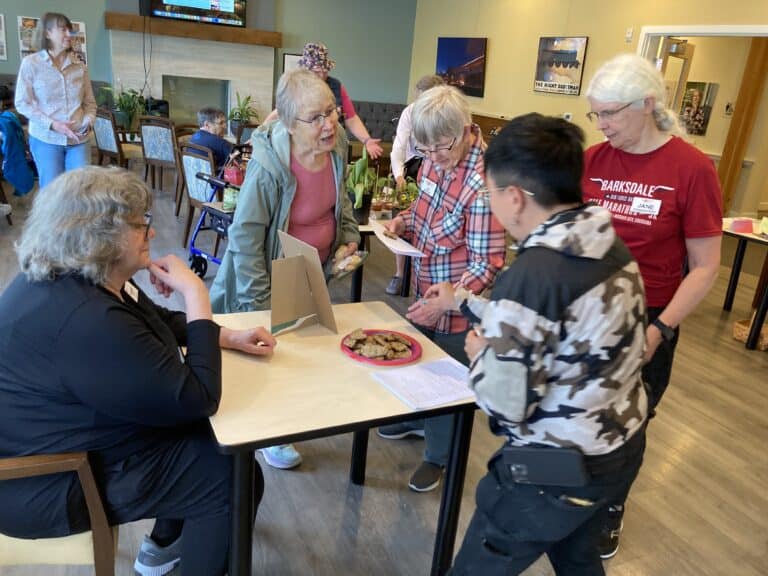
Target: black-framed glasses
point(427, 151)
point(146, 225)
point(319, 120)
point(607, 115)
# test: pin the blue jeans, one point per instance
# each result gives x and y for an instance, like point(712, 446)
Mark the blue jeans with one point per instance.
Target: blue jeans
point(54, 159)
point(438, 431)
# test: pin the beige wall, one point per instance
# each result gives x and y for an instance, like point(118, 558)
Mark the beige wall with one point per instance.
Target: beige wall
point(513, 28)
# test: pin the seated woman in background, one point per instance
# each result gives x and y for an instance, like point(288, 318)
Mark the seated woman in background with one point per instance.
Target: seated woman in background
point(54, 92)
point(89, 362)
point(294, 182)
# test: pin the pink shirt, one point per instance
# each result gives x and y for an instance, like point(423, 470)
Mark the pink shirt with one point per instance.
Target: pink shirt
point(313, 218)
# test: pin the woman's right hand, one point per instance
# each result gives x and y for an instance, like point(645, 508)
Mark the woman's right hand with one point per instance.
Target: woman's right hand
point(64, 128)
point(170, 273)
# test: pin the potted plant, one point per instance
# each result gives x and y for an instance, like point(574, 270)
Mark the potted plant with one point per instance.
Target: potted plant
point(361, 182)
point(241, 114)
point(128, 106)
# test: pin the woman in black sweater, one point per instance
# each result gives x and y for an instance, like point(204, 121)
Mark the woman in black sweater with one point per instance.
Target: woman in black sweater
point(89, 362)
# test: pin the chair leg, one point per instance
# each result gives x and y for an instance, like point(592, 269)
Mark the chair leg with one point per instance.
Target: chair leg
point(190, 217)
point(216, 246)
point(178, 185)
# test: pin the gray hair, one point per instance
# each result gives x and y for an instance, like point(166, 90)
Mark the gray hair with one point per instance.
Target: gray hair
point(295, 89)
point(209, 114)
point(77, 223)
point(440, 112)
point(631, 78)
point(429, 81)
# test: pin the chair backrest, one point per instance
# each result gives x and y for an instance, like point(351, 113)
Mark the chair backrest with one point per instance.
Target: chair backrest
point(105, 132)
point(158, 140)
point(194, 159)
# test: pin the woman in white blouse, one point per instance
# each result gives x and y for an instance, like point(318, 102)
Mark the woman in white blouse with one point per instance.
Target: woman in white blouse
point(54, 92)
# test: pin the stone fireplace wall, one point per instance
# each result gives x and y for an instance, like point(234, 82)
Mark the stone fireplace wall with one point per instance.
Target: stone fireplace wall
point(248, 68)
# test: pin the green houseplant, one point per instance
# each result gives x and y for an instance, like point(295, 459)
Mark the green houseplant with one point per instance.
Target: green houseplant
point(361, 183)
point(128, 106)
point(242, 113)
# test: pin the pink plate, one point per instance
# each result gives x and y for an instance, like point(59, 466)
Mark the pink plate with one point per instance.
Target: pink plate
point(415, 350)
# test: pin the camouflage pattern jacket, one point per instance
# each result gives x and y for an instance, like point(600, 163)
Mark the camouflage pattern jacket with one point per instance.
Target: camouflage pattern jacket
point(566, 333)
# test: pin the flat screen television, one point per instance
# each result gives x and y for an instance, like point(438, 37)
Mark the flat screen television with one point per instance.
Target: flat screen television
point(224, 12)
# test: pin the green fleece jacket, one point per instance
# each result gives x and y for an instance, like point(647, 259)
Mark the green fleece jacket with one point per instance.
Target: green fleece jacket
point(243, 281)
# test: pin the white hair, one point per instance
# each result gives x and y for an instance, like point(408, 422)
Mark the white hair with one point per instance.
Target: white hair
point(440, 112)
point(632, 78)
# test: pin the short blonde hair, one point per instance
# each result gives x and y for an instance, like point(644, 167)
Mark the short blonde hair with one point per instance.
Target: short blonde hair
point(77, 223)
point(631, 78)
point(295, 89)
point(440, 112)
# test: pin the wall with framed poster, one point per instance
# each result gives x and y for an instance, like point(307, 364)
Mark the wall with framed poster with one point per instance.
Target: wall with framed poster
point(290, 61)
point(560, 64)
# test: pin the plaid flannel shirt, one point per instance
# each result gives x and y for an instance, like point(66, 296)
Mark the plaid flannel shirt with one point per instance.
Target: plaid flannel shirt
point(462, 241)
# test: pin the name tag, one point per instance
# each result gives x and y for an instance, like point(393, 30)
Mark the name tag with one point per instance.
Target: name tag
point(428, 187)
point(132, 291)
point(645, 206)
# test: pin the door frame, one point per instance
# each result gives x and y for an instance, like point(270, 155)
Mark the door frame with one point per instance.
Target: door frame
point(647, 42)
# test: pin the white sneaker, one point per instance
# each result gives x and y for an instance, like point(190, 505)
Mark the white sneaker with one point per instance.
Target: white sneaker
point(5, 209)
point(284, 456)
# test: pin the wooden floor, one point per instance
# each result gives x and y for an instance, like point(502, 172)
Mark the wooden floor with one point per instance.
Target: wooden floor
point(699, 506)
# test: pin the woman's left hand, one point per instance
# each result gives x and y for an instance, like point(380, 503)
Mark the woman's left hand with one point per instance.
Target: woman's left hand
point(351, 249)
point(256, 341)
point(425, 311)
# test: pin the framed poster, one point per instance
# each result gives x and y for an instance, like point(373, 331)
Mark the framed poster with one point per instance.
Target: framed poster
point(560, 64)
point(3, 44)
point(27, 25)
point(696, 109)
point(461, 63)
point(290, 61)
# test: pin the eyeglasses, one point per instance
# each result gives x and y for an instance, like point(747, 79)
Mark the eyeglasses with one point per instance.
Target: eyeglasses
point(319, 120)
point(485, 193)
point(146, 225)
point(607, 115)
point(426, 151)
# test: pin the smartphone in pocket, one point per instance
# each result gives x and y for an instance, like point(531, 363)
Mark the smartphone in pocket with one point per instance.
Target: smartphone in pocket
point(545, 466)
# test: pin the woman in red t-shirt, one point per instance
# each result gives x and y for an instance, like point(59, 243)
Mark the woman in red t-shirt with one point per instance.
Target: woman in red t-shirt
point(666, 203)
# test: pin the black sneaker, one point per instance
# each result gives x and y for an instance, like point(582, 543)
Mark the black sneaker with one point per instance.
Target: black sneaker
point(608, 545)
point(399, 431)
point(426, 478)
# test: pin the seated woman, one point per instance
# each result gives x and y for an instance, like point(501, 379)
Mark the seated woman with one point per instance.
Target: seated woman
point(295, 183)
point(88, 362)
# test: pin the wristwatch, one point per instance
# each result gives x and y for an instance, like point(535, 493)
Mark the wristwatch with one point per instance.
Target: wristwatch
point(667, 332)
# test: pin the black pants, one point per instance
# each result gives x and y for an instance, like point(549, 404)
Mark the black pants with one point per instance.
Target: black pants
point(514, 523)
point(187, 480)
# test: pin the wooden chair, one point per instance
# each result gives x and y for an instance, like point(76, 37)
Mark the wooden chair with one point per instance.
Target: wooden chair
point(96, 547)
point(108, 141)
point(161, 150)
point(194, 159)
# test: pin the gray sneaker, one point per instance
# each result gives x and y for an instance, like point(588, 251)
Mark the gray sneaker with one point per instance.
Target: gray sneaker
point(5, 209)
point(154, 560)
point(400, 430)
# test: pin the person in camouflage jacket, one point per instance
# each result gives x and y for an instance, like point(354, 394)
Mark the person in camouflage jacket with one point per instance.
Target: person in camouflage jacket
point(556, 358)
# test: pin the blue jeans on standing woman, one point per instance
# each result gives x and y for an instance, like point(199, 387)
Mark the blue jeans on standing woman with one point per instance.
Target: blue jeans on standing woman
point(54, 159)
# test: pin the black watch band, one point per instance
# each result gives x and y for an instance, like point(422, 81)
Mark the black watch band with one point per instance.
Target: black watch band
point(666, 331)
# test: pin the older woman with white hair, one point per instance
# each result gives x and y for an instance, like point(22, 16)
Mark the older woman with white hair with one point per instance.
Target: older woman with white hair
point(451, 223)
point(89, 362)
point(294, 183)
point(665, 199)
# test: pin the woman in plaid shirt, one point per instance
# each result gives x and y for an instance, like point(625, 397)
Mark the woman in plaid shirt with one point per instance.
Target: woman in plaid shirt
point(463, 243)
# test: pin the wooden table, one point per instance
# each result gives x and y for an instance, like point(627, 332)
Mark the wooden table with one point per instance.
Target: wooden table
point(733, 282)
point(366, 231)
point(310, 389)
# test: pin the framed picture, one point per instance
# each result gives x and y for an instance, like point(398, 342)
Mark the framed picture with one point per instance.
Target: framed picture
point(461, 63)
point(3, 50)
point(290, 61)
point(698, 101)
point(560, 65)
